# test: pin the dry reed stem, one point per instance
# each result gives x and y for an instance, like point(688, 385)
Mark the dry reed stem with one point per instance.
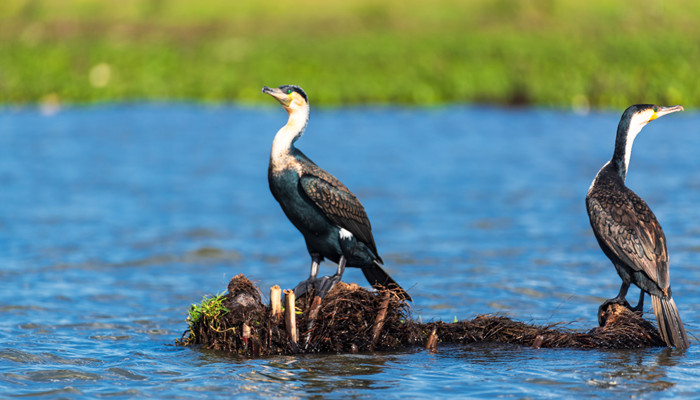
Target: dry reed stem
point(290, 317)
point(275, 302)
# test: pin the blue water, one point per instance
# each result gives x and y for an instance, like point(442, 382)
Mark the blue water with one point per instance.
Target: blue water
point(115, 218)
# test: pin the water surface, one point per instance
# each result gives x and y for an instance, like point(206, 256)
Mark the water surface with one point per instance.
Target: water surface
point(115, 218)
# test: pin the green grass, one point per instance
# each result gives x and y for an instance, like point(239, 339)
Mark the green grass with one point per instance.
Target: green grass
point(559, 53)
point(210, 307)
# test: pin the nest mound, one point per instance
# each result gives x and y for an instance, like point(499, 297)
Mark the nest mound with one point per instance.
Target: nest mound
point(352, 319)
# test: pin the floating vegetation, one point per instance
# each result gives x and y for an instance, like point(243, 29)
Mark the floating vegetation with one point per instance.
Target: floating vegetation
point(351, 319)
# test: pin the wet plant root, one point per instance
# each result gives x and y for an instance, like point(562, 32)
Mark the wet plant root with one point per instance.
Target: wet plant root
point(351, 319)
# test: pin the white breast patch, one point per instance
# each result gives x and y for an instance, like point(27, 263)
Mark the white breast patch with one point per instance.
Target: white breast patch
point(345, 234)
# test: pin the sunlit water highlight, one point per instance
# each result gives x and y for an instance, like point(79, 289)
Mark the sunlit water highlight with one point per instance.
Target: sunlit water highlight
point(115, 218)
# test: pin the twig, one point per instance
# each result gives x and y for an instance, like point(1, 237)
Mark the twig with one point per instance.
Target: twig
point(431, 342)
point(379, 321)
point(313, 314)
point(538, 342)
point(246, 334)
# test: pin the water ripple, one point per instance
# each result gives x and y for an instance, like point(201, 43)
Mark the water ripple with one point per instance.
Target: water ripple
point(114, 219)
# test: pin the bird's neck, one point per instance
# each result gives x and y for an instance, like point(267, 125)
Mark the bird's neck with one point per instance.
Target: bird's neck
point(288, 134)
point(626, 133)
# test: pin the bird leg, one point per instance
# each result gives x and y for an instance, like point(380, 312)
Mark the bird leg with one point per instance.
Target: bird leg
point(325, 284)
point(619, 299)
point(315, 262)
point(639, 308)
point(306, 286)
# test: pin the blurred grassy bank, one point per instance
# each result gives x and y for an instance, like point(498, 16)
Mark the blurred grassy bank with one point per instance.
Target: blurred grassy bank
point(564, 53)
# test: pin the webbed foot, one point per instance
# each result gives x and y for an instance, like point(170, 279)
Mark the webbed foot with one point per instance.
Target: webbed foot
point(324, 284)
point(304, 287)
point(321, 286)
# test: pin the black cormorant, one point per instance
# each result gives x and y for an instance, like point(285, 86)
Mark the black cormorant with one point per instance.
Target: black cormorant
point(628, 231)
point(332, 220)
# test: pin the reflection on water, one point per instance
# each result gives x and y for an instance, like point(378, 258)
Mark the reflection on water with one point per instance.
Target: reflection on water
point(329, 374)
point(114, 219)
point(639, 371)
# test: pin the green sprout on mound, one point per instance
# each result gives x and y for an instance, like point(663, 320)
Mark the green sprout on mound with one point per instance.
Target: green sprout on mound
point(210, 309)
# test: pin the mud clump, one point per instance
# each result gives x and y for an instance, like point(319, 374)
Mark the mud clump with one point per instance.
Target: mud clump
point(351, 319)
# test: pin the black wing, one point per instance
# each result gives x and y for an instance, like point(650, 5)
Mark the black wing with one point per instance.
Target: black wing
point(338, 204)
point(624, 222)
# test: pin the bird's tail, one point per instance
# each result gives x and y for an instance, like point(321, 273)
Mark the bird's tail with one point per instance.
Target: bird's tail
point(670, 324)
point(377, 277)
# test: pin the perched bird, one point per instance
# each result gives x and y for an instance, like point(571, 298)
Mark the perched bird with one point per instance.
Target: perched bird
point(332, 220)
point(628, 231)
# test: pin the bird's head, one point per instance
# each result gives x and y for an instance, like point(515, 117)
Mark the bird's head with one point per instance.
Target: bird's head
point(633, 120)
point(291, 97)
point(637, 116)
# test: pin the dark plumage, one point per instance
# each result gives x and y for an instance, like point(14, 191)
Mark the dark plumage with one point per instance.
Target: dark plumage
point(628, 231)
point(331, 219)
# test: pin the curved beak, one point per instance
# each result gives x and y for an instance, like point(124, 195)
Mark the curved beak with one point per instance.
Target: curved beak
point(283, 98)
point(661, 111)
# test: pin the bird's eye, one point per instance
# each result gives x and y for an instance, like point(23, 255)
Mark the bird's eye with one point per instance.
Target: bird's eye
point(289, 91)
point(656, 108)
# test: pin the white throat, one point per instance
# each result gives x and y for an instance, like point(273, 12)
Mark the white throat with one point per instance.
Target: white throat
point(288, 134)
point(635, 128)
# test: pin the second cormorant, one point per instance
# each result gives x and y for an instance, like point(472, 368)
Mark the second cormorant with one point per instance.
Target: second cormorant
point(332, 220)
point(628, 232)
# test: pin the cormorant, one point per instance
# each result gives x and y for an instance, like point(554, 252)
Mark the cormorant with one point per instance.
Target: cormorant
point(628, 232)
point(332, 220)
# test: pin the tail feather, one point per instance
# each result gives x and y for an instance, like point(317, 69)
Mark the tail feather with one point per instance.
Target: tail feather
point(670, 324)
point(377, 277)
